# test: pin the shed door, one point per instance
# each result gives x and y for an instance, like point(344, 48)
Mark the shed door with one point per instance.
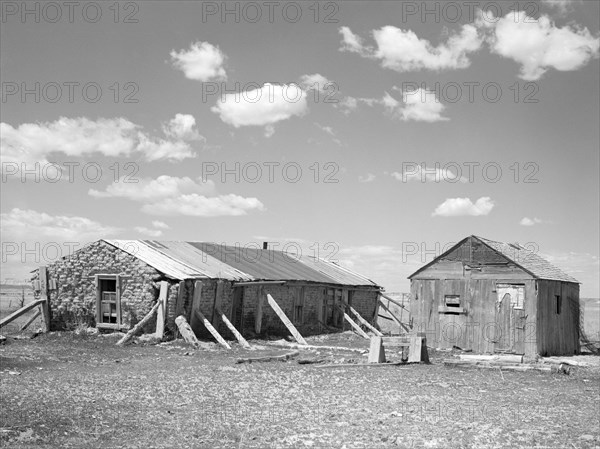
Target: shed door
point(510, 318)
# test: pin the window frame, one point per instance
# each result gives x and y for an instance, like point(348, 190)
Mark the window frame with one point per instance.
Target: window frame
point(99, 292)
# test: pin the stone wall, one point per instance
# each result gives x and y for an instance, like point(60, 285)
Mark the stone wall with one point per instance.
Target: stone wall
point(74, 301)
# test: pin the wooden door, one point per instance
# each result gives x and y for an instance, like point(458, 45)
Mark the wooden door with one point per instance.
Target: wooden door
point(237, 307)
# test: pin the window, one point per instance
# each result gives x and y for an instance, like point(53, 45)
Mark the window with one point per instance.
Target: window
point(516, 293)
point(558, 304)
point(108, 301)
point(452, 300)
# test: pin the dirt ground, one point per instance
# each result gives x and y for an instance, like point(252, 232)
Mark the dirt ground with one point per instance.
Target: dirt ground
point(67, 390)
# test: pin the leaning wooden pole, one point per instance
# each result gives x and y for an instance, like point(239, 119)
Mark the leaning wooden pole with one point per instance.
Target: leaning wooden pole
point(21, 311)
point(31, 320)
point(186, 331)
point(282, 316)
point(365, 322)
point(129, 335)
point(232, 328)
point(394, 316)
point(355, 326)
point(212, 330)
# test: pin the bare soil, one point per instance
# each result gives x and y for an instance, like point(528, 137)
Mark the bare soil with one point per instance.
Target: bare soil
point(68, 390)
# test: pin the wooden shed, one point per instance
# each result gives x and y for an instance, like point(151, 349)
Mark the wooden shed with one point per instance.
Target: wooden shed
point(489, 296)
point(113, 284)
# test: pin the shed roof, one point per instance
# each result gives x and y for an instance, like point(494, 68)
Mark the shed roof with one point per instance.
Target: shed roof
point(189, 260)
point(528, 260)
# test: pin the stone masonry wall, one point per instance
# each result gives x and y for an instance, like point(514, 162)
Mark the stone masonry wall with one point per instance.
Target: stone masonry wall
point(74, 301)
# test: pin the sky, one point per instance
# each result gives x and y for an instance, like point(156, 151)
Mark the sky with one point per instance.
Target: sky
point(374, 134)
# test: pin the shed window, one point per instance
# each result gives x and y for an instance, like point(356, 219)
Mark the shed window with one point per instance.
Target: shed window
point(516, 293)
point(558, 304)
point(452, 300)
point(108, 301)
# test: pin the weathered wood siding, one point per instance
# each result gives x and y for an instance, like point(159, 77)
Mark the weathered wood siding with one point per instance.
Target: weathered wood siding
point(558, 334)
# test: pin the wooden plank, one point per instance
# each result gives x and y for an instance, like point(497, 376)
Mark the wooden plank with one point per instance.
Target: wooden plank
point(414, 351)
point(489, 358)
point(251, 283)
point(197, 298)
point(287, 344)
point(139, 325)
point(179, 305)
point(354, 325)
point(376, 350)
point(393, 301)
point(285, 320)
point(161, 315)
point(394, 317)
point(186, 331)
point(21, 311)
point(259, 310)
point(31, 320)
point(43, 273)
point(217, 303)
point(365, 322)
point(233, 330)
point(211, 329)
point(402, 341)
point(270, 358)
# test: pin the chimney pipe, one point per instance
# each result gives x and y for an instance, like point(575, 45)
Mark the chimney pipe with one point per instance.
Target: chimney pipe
point(265, 245)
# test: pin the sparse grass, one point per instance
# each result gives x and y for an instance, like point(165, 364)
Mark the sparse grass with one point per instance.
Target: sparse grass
point(83, 391)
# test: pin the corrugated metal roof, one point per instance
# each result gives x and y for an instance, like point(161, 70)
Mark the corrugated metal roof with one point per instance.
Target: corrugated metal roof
point(263, 264)
point(189, 260)
point(529, 261)
point(200, 261)
point(163, 263)
point(339, 274)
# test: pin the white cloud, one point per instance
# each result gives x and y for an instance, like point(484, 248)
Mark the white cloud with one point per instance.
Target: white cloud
point(202, 61)
point(562, 6)
point(182, 127)
point(369, 177)
point(201, 206)
point(422, 106)
point(147, 189)
point(25, 223)
point(404, 51)
point(423, 173)
point(347, 105)
point(148, 232)
point(171, 196)
point(269, 131)
point(539, 44)
point(160, 225)
point(262, 106)
point(351, 42)
point(419, 105)
point(80, 136)
point(316, 82)
point(455, 207)
point(525, 221)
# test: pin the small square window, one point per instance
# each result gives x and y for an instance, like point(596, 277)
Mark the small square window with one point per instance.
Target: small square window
point(452, 300)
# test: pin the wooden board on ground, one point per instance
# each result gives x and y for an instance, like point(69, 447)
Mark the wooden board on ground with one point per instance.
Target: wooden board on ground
point(270, 358)
point(282, 316)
